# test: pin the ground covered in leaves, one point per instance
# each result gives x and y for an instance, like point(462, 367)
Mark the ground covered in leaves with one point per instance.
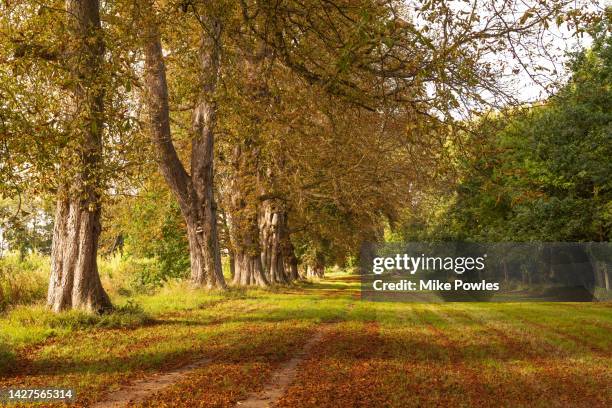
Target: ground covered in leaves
point(370, 354)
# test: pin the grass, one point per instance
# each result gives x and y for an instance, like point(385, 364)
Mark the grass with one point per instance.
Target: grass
point(372, 353)
point(462, 354)
point(22, 281)
point(7, 357)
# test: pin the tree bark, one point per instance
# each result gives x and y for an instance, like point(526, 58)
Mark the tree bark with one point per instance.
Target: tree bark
point(75, 282)
point(277, 256)
point(194, 193)
point(270, 226)
point(225, 240)
point(202, 153)
point(243, 210)
point(248, 269)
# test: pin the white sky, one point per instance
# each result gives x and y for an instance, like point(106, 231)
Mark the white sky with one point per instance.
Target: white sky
point(561, 43)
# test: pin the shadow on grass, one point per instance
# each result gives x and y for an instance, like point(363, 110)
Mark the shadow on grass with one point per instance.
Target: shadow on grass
point(344, 342)
point(7, 357)
point(241, 345)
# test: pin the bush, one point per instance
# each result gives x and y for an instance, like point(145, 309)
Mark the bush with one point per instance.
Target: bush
point(153, 228)
point(125, 276)
point(128, 275)
point(23, 281)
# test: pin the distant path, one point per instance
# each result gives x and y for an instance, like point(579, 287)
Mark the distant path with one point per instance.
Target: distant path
point(140, 390)
point(281, 378)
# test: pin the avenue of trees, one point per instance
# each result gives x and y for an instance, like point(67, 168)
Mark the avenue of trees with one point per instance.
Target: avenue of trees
point(277, 136)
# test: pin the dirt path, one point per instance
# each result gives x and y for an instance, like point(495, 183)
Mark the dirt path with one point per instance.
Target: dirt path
point(139, 390)
point(282, 378)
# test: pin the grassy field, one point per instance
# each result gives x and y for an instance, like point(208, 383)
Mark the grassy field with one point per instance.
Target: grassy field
point(370, 355)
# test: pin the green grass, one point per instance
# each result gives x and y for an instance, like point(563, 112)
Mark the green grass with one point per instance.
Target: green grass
point(372, 353)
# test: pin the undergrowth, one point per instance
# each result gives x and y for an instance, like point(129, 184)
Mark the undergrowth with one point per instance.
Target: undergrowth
point(23, 281)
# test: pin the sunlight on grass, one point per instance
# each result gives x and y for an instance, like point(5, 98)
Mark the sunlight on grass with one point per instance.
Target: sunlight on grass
point(374, 347)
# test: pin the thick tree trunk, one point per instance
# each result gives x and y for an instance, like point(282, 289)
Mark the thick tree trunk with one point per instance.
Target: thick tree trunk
point(203, 250)
point(291, 262)
point(317, 268)
point(194, 193)
point(201, 258)
point(277, 255)
point(74, 281)
point(270, 226)
point(248, 270)
point(202, 155)
point(243, 211)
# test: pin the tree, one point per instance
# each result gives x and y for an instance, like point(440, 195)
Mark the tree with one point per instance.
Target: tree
point(26, 225)
point(75, 282)
point(540, 173)
point(430, 62)
point(193, 191)
point(67, 124)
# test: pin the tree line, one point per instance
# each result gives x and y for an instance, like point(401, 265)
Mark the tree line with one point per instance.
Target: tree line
point(285, 133)
point(540, 173)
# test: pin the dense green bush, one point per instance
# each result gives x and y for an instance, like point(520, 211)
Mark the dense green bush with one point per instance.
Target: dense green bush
point(125, 275)
point(539, 174)
point(153, 229)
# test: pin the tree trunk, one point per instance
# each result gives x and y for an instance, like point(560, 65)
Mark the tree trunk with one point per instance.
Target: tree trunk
point(194, 193)
point(243, 210)
point(291, 262)
point(271, 251)
point(232, 264)
point(317, 268)
point(202, 156)
point(225, 240)
point(277, 256)
point(248, 270)
point(74, 281)
point(315, 271)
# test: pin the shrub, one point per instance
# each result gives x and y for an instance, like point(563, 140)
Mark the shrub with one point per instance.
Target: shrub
point(23, 281)
point(128, 275)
